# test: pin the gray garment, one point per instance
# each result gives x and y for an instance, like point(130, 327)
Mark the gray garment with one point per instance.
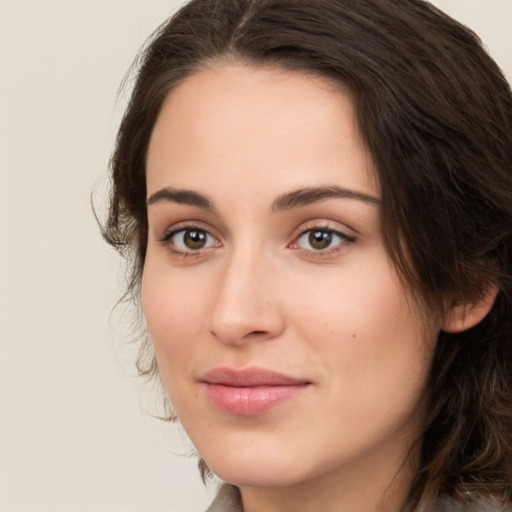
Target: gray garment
point(489, 504)
point(227, 500)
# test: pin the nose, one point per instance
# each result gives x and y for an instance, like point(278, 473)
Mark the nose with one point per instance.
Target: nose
point(246, 303)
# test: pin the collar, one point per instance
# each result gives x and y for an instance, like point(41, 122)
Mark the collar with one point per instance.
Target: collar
point(227, 500)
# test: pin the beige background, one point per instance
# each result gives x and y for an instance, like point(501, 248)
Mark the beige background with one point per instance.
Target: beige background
point(72, 433)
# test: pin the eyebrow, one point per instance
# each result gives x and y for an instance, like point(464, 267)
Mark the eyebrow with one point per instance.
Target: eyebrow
point(188, 197)
point(288, 201)
point(310, 195)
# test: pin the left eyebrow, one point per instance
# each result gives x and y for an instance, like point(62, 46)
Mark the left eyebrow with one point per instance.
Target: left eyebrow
point(310, 195)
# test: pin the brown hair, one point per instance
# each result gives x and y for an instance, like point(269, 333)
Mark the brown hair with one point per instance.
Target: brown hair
point(436, 114)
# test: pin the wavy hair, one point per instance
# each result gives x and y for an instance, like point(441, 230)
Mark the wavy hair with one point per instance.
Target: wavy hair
point(435, 112)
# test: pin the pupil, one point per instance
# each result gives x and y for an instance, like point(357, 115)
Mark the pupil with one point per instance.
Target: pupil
point(195, 239)
point(320, 239)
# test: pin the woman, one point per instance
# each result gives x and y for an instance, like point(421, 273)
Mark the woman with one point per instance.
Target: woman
point(316, 202)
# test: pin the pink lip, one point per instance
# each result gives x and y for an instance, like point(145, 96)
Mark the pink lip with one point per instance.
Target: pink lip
point(250, 391)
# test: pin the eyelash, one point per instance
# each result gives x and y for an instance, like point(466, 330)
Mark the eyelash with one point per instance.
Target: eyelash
point(166, 240)
point(306, 230)
point(344, 240)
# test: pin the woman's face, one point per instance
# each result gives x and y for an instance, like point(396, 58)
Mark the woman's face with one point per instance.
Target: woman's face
point(290, 350)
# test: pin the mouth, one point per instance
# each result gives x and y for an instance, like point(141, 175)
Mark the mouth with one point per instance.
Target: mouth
point(251, 391)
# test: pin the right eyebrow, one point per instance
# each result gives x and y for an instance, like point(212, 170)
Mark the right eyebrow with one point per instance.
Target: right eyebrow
point(172, 195)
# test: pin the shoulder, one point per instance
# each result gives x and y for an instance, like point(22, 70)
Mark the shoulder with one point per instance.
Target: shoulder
point(486, 504)
point(228, 500)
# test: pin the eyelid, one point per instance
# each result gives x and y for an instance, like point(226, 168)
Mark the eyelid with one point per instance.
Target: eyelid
point(174, 250)
point(327, 225)
point(322, 225)
point(183, 225)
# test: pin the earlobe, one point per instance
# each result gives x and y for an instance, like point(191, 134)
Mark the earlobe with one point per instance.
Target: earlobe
point(462, 316)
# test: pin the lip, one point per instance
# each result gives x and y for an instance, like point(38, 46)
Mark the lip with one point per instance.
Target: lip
point(250, 391)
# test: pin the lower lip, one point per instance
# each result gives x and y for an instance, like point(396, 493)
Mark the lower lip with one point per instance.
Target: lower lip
point(253, 400)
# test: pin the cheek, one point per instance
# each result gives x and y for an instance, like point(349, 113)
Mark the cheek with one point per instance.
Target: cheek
point(362, 305)
point(370, 333)
point(174, 313)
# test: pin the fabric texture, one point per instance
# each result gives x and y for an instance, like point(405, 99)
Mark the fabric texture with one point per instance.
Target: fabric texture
point(476, 505)
point(228, 500)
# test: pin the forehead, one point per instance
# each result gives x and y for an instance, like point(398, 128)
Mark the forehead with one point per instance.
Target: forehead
point(234, 122)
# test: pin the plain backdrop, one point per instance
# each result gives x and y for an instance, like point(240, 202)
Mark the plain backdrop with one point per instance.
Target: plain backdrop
point(73, 434)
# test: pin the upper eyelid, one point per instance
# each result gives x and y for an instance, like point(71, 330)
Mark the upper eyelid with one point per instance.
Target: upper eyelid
point(324, 224)
point(337, 232)
point(345, 238)
point(182, 226)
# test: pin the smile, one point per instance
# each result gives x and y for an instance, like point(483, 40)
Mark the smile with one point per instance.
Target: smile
point(250, 392)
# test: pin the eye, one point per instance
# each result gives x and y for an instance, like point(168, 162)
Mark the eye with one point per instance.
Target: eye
point(190, 239)
point(321, 239)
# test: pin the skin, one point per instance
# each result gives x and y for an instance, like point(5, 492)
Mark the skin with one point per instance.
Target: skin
point(259, 294)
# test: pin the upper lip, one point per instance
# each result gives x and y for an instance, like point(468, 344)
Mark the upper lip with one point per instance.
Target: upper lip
point(250, 377)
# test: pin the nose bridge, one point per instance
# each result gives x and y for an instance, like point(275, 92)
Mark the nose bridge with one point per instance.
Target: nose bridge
point(244, 304)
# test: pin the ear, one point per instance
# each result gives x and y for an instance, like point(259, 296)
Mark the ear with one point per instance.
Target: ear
point(462, 316)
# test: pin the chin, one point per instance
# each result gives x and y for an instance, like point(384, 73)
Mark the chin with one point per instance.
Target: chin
point(257, 467)
point(243, 476)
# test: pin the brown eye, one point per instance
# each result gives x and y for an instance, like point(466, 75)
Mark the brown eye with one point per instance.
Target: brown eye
point(320, 239)
point(190, 240)
point(194, 239)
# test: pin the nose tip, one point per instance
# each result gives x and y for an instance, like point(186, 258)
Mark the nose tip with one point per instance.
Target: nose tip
point(240, 330)
point(245, 307)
